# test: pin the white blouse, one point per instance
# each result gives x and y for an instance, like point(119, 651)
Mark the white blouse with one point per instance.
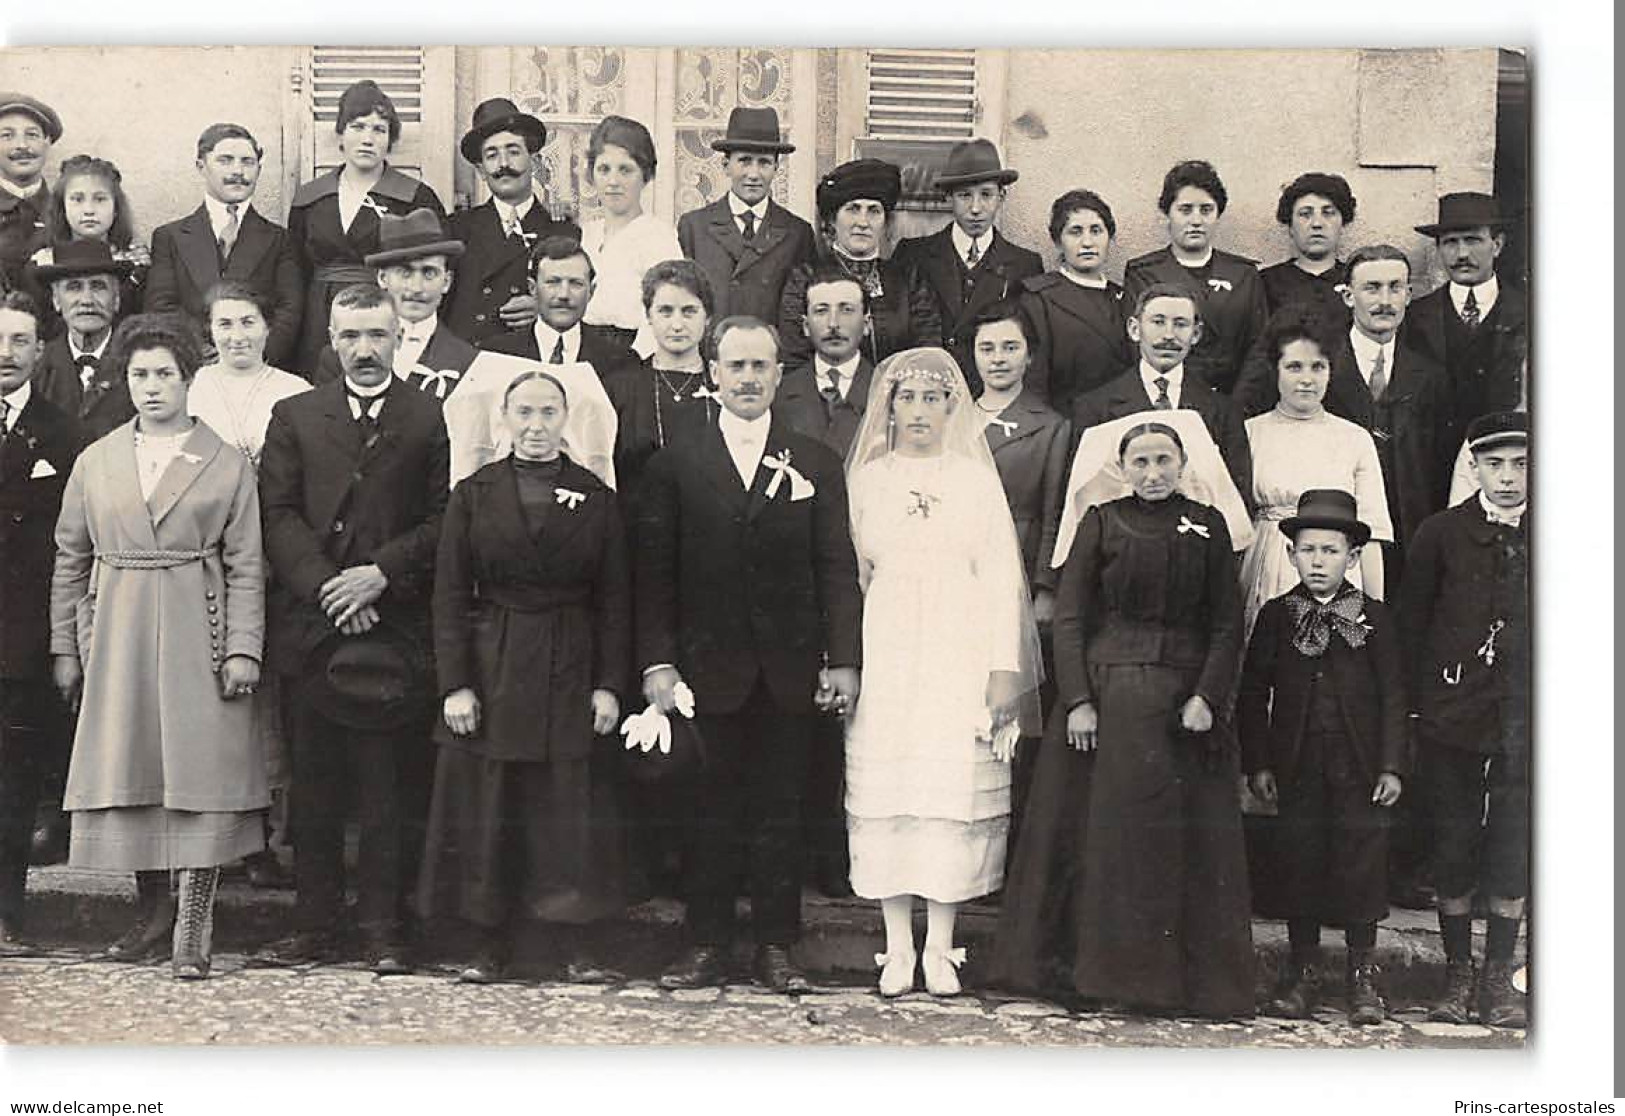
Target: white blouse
point(620, 262)
point(238, 407)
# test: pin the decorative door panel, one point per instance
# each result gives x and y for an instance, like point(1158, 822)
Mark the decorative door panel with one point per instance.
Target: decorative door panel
point(710, 84)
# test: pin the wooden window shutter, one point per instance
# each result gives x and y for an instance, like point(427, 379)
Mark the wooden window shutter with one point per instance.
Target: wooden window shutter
point(921, 94)
point(420, 80)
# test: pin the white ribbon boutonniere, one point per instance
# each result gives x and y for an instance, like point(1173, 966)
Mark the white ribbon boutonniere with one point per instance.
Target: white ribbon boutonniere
point(1221, 284)
point(440, 382)
point(190, 458)
point(800, 486)
point(569, 497)
point(1009, 428)
point(703, 392)
point(1186, 527)
point(368, 203)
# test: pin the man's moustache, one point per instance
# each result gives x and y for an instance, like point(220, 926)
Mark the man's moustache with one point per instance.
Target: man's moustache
point(507, 172)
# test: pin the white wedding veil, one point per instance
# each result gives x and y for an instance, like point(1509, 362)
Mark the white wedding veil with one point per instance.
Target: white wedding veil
point(1015, 662)
point(1097, 476)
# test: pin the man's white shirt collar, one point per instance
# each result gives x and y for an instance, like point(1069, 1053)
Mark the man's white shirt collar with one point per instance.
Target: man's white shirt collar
point(962, 243)
point(738, 208)
point(98, 352)
point(547, 338)
point(746, 440)
point(511, 214)
point(1484, 294)
point(218, 216)
point(15, 402)
point(1365, 354)
point(414, 339)
point(843, 372)
point(17, 191)
point(1175, 377)
point(1493, 512)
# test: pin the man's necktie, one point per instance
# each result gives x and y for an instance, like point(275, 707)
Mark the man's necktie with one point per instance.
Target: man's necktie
point(5, 421)
point(1469, 311)
point(831, 391)
point(974, 256)
point(1499, 518)
point(1379, 374)
point(558, 352)
point(1162, 402)
point(511, 226)
point(747, 219)
point(228, 234)
point(88, 364)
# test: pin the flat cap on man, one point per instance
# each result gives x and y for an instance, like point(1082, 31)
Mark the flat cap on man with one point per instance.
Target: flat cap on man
point(1501, 428)
point(39, 110)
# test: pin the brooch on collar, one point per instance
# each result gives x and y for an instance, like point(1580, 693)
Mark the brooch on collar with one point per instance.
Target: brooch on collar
point(923, 503)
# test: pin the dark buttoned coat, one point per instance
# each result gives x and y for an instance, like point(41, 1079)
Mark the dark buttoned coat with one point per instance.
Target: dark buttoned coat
point(331, 502)
point(102, 409)
point(22, 233)
point(186, 263)
point(998, 275)
point(733, 587)
point(1486, 366)
point(1275, 699)
point(598, 348)
point(800, 404)
point(35, 460)
point(494, 267)
point(1082, 338)
point(747, 276)
point(1031, 444)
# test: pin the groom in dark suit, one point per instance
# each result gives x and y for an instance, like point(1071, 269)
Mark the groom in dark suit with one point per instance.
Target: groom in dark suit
point(227, 238)
point(746, 243)
point(746, 583)
point(562, 278)
point(353, 484)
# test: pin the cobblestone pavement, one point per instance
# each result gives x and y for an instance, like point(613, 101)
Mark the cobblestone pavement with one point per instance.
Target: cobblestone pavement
point(63, 998)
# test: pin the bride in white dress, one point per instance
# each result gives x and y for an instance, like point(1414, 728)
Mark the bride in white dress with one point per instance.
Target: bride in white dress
point(951, 665)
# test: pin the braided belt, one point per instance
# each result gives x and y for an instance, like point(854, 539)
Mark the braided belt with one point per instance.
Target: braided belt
point(152, 559)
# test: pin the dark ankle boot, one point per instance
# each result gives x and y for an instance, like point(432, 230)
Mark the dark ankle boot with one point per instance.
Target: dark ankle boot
point(194, 923)
point(1456, 1004)
point(1298, 993)
point(1500, 1004)
point(155, 918)
point(1366, 1003)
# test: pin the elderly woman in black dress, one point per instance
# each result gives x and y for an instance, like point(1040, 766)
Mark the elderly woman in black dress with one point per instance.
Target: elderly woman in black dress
point(531, 622)
point(333, 221)
point(1132, 868)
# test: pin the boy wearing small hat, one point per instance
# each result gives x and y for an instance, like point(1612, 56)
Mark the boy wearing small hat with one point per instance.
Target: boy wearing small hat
point(1477, 324)
point(1321, 711)
point(746, 243)
point(491, 292)
point(1464, 611)
point(28, 128)
point(970, 265)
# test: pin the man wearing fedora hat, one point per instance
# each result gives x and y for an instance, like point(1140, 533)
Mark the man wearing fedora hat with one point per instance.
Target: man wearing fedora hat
point(83, 278)
point(227, 238)
point(28, 128)
point(491, 292)
point(747, 243)
point(970, 265)
point(415, 262)
point(1321, 714)
point(1477, 324)
point(353, 484)
point(1464, 611)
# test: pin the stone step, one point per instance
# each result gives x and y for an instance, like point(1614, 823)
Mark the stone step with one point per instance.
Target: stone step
point(81, 909)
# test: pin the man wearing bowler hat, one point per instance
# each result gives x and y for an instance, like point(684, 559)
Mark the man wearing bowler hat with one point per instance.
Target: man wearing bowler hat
point(28, 128)
point(491, 294)
point(970, 265)
point(83, 278)
point(416, 262)
point(747, 243)
point(1477, 324)
point(353, 484)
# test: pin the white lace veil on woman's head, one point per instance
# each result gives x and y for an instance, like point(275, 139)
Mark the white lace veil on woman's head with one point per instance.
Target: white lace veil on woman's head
point(1016, 662)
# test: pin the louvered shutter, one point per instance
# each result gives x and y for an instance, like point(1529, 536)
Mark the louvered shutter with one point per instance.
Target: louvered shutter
point(921, 94)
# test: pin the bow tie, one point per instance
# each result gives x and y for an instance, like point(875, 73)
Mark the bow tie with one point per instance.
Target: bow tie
point(88, 360)
point(1313, 623)
point(1501, 518)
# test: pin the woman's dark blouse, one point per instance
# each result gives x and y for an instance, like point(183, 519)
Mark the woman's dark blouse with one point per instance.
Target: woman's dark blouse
point(647, 417)
point(1287, 284)
point(1138, 589)
point(537, 481)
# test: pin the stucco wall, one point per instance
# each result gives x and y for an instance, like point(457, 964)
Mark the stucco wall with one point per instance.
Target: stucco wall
point(143, 107)
point(1115, 121)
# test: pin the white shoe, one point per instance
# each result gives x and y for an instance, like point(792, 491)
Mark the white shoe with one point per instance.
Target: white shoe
point(941, 979)
point(896, 972)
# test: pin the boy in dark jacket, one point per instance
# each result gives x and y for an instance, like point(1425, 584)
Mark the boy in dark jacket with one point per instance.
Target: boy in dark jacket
point(1465, 613)
point(1321, 711)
